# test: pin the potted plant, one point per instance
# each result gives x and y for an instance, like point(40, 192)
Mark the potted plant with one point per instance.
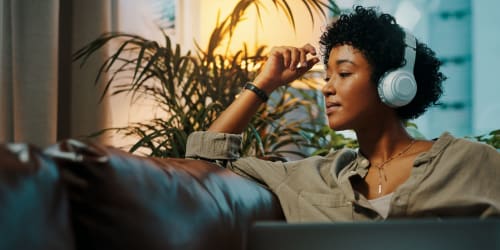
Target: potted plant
point(193, 88)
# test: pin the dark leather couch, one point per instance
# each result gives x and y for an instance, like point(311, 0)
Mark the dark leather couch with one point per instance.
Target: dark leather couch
point(78, 195)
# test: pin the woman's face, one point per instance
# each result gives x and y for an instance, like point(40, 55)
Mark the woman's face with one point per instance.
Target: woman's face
point(351, 98)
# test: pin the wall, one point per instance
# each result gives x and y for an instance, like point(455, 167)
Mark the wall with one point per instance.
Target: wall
point(450, 37)
point(485, 65)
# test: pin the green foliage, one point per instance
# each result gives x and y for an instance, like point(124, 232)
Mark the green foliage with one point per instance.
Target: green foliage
point(492, 138)
point(329, 140)
point(192, 90)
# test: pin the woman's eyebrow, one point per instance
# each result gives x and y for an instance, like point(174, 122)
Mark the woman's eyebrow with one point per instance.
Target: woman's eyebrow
point(341, 61)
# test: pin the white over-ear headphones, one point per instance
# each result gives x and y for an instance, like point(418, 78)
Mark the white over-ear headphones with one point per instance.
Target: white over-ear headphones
point(398, 87)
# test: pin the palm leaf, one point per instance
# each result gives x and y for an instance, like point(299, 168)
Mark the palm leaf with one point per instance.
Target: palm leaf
point(193, 88)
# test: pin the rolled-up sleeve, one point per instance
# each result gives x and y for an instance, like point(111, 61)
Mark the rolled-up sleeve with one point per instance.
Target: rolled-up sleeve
point(224, 149)
point(213, 146)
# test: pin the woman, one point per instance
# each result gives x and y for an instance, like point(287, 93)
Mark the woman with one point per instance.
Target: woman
point(392, 174)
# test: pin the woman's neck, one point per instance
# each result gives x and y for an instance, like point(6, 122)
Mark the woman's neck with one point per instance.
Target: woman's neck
point(379, 143)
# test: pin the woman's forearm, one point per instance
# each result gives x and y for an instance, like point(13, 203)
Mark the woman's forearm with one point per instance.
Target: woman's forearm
point(236, 117)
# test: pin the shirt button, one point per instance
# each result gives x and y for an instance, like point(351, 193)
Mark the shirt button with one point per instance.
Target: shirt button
point(398, 200)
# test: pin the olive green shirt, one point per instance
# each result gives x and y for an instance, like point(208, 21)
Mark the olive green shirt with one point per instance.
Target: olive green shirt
point(455, 178)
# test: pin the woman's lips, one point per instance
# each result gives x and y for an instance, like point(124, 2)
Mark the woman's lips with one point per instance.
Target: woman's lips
point(331, 107)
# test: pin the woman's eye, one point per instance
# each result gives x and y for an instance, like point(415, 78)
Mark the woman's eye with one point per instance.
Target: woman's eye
point(344, 74)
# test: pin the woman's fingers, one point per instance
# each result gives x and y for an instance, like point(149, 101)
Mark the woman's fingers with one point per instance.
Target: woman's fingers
point(295, 58)
point(307, 65)
point(309, 48)
point(304, 62)
point(285, 64)
point(286, 54)
point(296, 54)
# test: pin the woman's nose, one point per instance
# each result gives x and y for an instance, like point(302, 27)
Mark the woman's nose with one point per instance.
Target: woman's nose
point(328, 88)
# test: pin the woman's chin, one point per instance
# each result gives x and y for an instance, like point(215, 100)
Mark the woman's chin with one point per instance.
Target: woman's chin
point(335, 126)
point(338, 125)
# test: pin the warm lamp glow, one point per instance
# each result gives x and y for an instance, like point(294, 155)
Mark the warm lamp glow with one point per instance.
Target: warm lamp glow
point(273, 30)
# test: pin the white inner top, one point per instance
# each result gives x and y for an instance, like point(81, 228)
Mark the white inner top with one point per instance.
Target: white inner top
point(382, 204)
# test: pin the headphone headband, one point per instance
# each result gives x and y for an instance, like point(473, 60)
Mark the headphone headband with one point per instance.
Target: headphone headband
point(410, 51)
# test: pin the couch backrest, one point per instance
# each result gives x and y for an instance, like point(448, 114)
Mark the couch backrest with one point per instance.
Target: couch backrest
point(123, 201)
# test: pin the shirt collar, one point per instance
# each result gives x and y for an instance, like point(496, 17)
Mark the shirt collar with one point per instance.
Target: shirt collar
point(439, 145)
point(362, 163)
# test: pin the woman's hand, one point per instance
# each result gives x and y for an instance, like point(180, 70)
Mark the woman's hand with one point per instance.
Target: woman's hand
point(284, 65)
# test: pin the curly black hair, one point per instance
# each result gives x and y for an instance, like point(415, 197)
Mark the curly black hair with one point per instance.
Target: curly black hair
point(381, 40)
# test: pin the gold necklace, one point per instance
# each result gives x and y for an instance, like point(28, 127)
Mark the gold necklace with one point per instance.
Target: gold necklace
point(380, 167)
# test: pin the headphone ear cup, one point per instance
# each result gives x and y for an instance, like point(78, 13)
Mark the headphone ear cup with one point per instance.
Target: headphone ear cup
point(397, 88)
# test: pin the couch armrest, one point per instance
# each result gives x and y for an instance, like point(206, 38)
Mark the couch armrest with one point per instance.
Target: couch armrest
point(34, 209)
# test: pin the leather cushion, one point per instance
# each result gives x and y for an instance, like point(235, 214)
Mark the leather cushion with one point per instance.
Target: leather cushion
point(123, 201)
point(34, 210)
